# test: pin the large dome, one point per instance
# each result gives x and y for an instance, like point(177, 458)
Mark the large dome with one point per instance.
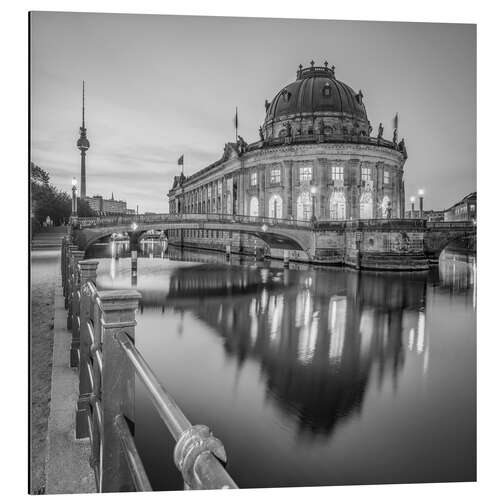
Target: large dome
point(317, 93)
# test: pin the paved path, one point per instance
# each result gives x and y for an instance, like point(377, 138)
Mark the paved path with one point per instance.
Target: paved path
point(47, 323)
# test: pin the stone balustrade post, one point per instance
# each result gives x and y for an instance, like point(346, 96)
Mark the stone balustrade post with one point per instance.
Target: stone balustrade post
point(73, 318)
point(88, 274)
point(117, 389)
point(67, 274)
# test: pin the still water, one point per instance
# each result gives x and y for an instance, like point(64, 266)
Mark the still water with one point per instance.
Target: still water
point(309, 376)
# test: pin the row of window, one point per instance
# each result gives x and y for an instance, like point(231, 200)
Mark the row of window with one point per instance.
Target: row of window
point(305, 207)
point(199, 233)
point(305, 174)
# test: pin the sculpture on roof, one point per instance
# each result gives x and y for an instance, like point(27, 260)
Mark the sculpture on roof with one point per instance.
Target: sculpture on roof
point(380, 131)
point(321, 126)
point(241, 145)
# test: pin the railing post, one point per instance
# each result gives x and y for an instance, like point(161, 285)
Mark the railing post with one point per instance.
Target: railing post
point(88, 273)
point(117, 388)
point(73, 318)
point(67, 273)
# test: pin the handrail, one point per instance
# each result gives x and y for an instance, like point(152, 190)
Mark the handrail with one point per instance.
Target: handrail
point(103, 325)
point(168, 410)
point(174, 419)
point(250, 219)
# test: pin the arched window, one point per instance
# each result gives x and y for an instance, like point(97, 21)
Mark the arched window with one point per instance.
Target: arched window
point(366, 206)
point(337, 206)
point(254, 206)
point(304, 206)
point(276, 206)
point(386, 204)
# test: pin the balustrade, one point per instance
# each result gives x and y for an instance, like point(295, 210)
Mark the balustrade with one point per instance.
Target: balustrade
point(103, 351)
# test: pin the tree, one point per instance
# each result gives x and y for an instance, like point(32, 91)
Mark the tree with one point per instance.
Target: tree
point(48, 201)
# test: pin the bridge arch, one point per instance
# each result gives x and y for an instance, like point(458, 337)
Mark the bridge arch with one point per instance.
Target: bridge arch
point(276, 237)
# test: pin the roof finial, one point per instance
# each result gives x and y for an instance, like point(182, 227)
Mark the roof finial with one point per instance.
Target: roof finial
point(326, 64)
point(312, 63)
point(333, 70)
point(83, 104)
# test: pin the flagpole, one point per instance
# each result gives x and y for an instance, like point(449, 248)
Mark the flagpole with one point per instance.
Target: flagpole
point(236, 124)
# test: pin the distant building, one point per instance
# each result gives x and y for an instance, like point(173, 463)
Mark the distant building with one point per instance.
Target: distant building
point(102, 206)
point(465, 209)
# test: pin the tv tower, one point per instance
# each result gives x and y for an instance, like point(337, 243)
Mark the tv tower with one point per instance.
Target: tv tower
point(83, 144)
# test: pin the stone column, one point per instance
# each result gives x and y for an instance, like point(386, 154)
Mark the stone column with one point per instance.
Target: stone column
point(73, 317)
point(118, 387)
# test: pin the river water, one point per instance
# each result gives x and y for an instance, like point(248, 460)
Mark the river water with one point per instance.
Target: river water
point(311, 375)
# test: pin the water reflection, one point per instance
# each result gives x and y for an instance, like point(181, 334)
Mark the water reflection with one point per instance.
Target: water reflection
point(317, 339)
point(322, 339)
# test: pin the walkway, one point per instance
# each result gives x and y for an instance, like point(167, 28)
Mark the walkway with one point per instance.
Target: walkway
point(48, 429)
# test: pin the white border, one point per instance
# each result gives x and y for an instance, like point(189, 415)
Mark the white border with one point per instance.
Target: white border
point(13, 134)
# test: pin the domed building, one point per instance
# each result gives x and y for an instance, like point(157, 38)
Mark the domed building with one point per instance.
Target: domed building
point(316, 160)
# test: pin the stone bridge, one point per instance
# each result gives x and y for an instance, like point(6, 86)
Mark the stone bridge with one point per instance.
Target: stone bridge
point(391, 244)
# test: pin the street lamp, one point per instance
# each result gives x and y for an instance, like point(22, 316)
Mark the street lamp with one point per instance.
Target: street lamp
point(74, 206)
point(421, 200)
point(412, 213)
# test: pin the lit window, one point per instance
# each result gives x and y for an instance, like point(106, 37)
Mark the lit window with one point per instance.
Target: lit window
point(366, 174)
point(305, 174)
point(275, 176)
point(386, 177)
point(338, 173)
point(253, 179)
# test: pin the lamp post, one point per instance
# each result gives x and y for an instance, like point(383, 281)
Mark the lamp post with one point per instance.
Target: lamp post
point(412, 213)
point(314, 189)
point(74, 206)
point(421, 200)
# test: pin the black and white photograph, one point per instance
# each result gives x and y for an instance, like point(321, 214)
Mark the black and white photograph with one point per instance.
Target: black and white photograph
point(252, 252)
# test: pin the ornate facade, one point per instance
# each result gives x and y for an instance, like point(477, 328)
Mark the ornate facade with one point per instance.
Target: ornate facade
point(316, 160)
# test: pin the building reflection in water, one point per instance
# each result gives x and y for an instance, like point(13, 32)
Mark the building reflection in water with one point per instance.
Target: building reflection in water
point(320, 337)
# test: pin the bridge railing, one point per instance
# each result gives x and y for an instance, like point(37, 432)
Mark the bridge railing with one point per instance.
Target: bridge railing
point(465, 224)
point(104, 353)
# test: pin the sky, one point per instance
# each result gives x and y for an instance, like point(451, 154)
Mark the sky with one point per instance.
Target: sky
point(159, 86)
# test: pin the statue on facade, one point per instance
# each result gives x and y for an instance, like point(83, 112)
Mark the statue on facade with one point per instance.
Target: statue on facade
point(288, 128)
point(321, 126)
point(395, 137)
point(242, 145)
point(380, 131)
point(261, 133)
point(402, 147)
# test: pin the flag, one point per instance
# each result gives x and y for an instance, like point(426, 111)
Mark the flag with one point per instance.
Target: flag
point(180, 161)
point(396, 121)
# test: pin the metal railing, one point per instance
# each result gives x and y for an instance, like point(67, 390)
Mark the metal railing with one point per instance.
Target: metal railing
point(103, 350)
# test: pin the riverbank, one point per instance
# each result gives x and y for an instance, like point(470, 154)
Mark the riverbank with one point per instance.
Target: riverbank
point(43, 273)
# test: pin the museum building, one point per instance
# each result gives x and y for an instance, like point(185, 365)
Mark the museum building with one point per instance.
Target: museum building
point(316, 160)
